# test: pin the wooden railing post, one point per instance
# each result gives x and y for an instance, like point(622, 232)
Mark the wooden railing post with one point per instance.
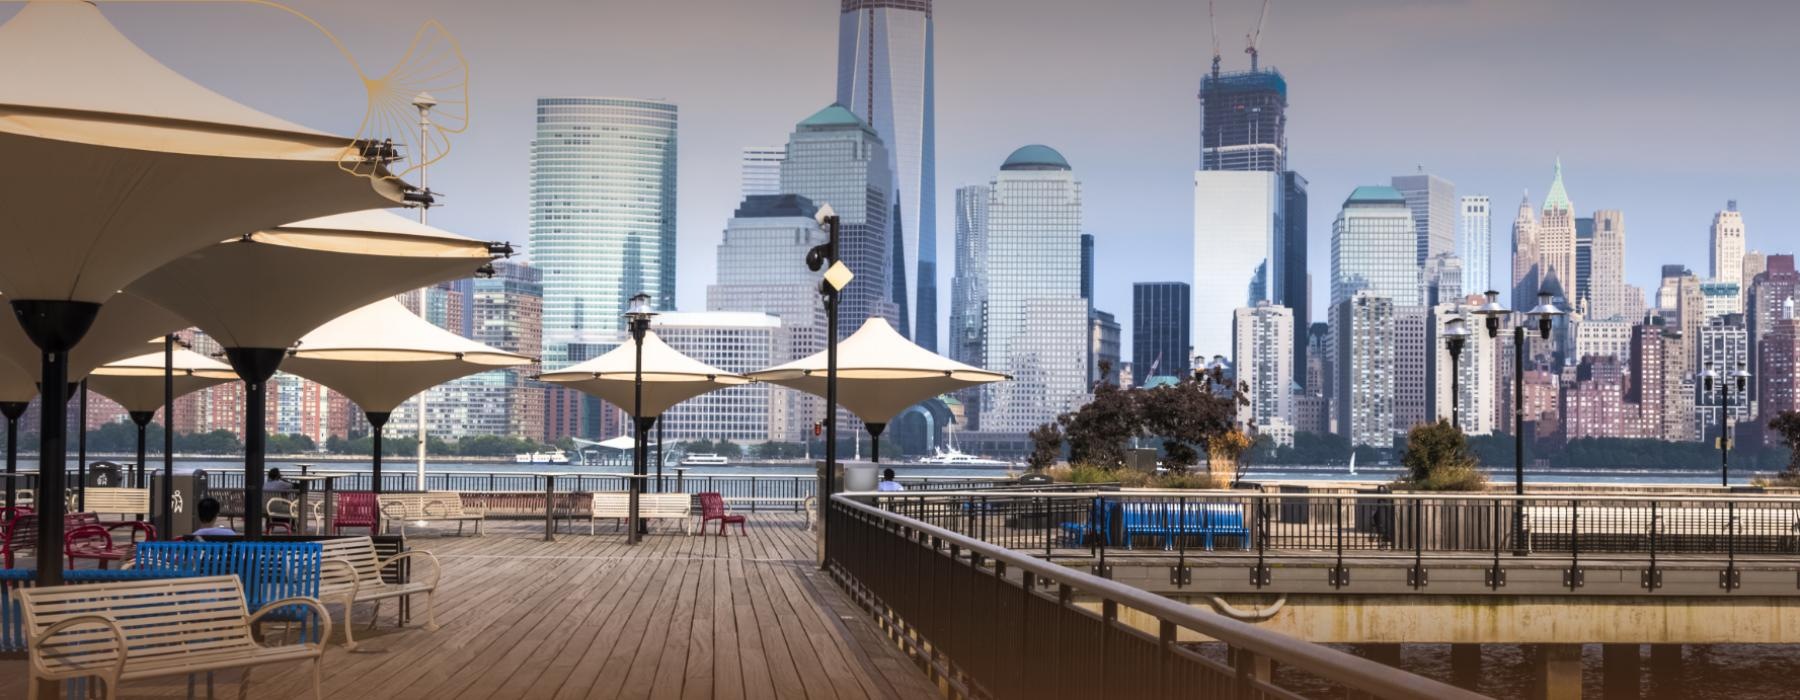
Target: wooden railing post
point(1248, 669)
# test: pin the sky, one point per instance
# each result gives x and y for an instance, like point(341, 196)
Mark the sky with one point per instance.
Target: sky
point(1661, 108)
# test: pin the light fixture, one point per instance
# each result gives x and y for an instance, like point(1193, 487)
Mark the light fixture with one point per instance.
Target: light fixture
point(1492, 311)
point(1545, 313)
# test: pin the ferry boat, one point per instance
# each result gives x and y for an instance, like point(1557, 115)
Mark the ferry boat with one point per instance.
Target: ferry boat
point(703, 459)
point(554, 457)
point(956, 458)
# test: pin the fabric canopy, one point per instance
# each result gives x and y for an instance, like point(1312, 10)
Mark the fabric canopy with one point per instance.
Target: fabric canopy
point(267, 289)
point(622, 442)
point(16, 384)
point(136, 383)
point(111, 164)
point(381, 354)
point(125, 324)
point(669, 376)
point(880, 373)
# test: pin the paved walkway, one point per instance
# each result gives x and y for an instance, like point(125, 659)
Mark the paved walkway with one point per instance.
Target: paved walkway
point(590, 617)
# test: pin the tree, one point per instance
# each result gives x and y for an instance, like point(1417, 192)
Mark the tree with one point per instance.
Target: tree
point(1198, 413)
point(1098, 431)
point(1787, 425)
point(1437, 458)
point(1046, 446)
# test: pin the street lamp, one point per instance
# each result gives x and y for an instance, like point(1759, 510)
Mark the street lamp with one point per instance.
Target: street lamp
point(1742, 379)
point(1544, 314)
point(637, 317)
point(1456, 335)
point(825, 256)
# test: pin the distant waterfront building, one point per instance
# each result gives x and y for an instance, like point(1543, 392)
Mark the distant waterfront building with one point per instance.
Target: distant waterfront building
point(1476, 372)
point(1475, 244)
point(835, 158)
point(968, 292)
point(1159, 329)
point(1290, 283)
point(736, 342)
point(1720, 298)
point(1414, 342)
point(1038, 326)
point(1611, 296)
point(602, 214)
point(1724, 348)
point(1556, 240)
point(1728, 244)
point(1771, 292)
point(1263, 348)
point(1526, 277)
point(1432, 200)
point(1442, 280)
point(1363, 326)
point(507, 314)
point(761, 170)
point(1583, 290)
point(1237, 215)
point(1755, 263)
point(885, 76)
point(1607, 338)
point(1087, 268)
point(1373, 246)
point(1778, 367)
point(1103, 348)
point(1593, 405)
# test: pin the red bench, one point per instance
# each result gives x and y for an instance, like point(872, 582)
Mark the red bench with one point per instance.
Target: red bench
point(86, 536)
point(355, 509)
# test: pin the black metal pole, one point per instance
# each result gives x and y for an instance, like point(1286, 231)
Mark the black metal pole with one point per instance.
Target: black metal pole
point(81, 449)
point(377, 420)
point(875, 440)
point(142, 420)
point(659, 456)
point(168, 494)
point(1455, 413)
point(255, 366)
point(1519, 438)
point(13, 410)
point(1724, 433)
point(54, 327)
point(637, 420)
point(832, 226)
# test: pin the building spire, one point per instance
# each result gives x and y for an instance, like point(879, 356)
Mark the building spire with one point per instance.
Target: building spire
point(1558, 198)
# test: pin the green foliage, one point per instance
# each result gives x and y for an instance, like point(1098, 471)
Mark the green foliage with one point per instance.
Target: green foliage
point(1046, 446)
point(217, 442)
point(1787, 425)
point(1437, 458)
point(1097, 432)
point(1189, 418)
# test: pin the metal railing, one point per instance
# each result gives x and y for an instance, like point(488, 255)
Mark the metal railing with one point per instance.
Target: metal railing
point(993, 622)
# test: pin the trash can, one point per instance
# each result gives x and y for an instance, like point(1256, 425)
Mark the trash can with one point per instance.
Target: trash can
point(105, 475)
point(189, 489)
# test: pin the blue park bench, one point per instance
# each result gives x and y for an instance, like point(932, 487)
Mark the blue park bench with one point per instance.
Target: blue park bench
point(1171, 520)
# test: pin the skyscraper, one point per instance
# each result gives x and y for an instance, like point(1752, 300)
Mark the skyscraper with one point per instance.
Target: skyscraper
point(968, 284)
point(738, 342)
point(885, 76)
point(1159, 330)
point(1582, 298)
point(1373, 248)
point(1475, 244)
point(507, 313)
point(602, 214)
point(1263, 349)
point(1290, 284)
point(1728, 244)
point(1432, 200)
point(1556, 241)
point(1778, 367)
point(1087, 268)
point(1526, 277)
point(1243, 121)
point(1611, 298)
point(1237, 215)
point(1363, 325)
point(1038, 324)
point(1103, 347)
point(834, 158)
point(1475, 406)
point(761, 169)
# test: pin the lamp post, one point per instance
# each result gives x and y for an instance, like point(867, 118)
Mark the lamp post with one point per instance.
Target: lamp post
point(168, 480)
point(1544, 314)
point(1456, 335)
point(1741, 378)
point(423, 102)
point(637, 318)
point(825, 256)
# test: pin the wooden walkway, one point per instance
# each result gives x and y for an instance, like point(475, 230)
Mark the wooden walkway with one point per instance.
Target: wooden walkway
point(590, 617)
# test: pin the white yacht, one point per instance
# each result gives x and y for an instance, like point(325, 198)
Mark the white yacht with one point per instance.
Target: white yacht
point(956, 458)
point(703, 459)
point(552, 457)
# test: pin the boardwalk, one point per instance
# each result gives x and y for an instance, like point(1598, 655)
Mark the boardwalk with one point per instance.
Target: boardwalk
point(589, 617)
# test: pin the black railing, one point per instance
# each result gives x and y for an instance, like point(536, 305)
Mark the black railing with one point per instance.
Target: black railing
point(993, 622)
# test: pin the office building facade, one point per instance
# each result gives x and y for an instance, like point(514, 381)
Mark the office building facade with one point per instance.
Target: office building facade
point(1373, 248)
point(835, 158)
point(1263, 350)
point(1159, 330)
point(1474, 243)
point(968, 284)
point(1432, 200)
point(735, 342)
point(760, 170)
point(1363, 326)
point(1727, 238)
point(1237, 214)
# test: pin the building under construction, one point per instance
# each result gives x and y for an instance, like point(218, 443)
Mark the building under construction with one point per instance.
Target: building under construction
point(1243, 121)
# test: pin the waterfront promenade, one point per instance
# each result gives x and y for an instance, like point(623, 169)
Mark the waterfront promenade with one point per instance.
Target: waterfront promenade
point(589, 617)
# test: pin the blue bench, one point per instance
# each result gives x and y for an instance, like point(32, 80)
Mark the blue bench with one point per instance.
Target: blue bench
point(1076, 534)
point(1171, 520)
point(270, 571)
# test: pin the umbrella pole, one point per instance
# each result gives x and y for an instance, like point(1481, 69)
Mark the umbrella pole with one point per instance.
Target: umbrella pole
point(168, 499)
point(142, 420)
point(377, 419)
point(12, 410)
point(875, 440)
point(54, 327)
point(81, 449)
point(659, 457)
point(255, 366)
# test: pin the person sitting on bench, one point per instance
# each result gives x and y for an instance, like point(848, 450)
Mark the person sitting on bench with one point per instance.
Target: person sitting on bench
point(207, 512)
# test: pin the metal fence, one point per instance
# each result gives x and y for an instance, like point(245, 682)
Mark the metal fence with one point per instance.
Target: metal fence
point(992, 622)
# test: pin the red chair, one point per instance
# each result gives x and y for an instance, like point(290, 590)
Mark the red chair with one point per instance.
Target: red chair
point(20, 535)
point(712, 507)
point(355, 509)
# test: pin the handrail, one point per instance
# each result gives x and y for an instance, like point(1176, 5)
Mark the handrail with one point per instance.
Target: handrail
point(1355, 672)
point(1397, 496)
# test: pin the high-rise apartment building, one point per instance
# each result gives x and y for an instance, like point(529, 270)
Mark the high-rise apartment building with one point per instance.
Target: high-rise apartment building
point(1475, 407)
point(1432, 200)
point(760, 170)
point(1159, 330)
point(1414, 345)
point(1755, 263)
point(885, 76)
point(1103, 348)
point(1724, 348)
point(1363, 326)
point(1772, 291)
point(1237, 217)
point(1475, 244)
point(968, 284)
point(1442, 279)
point(602, 214)
point(1778, 367)
point(1720, 298)
point(736, 342)
point(835, 158)
point(1373, 248)
point(507, 314)
point(1263, 350)
point(1038, 323)
point(1728, 244)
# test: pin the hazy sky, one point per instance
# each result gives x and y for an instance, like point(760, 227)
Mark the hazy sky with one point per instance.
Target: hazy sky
point(1661, 108)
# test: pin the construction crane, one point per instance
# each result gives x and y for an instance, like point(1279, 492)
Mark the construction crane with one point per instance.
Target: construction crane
point(1255, 37)
point(1213, 23)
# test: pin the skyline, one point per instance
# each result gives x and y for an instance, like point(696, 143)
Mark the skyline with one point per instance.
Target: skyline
point(998, 91)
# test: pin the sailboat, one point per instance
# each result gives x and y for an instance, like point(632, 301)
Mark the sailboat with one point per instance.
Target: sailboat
point(1352, 463)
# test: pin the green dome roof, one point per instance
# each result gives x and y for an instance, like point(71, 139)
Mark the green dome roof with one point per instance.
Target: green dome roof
point(1035, 157)
point(835, 115)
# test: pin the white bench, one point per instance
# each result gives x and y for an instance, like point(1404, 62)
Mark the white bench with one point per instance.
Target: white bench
point(431, 506)
point(117, 501)
point(152, 629)
point(651, 506)
point(351, 574)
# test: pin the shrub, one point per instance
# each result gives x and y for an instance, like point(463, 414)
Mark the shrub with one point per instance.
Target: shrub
point(1438, 459)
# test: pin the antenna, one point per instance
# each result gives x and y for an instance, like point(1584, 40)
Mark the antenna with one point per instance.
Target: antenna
point(1254, 38)
point(1213, 24)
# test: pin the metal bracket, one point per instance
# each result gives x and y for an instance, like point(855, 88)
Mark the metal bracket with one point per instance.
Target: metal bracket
point(1494, 577)
point(1181, 575)
point(1101, 570)
point(1338, 576)
point(1650, 578)
point(1418, 576)
point(1731, 578)
point(1574, 578)
point(1260, 576)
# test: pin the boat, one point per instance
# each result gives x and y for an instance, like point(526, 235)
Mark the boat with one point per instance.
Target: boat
point(703, 459)
point(1353, 463)
point(956, 458)
point(552, 457)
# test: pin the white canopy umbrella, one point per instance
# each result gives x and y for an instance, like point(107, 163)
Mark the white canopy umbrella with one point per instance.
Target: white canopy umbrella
point(381, 354)
point(258, 294)
point(622, 442)
point(880, 374)
point(17, 387)
point(120, 330)
point(136, 384)
point(111, 165)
